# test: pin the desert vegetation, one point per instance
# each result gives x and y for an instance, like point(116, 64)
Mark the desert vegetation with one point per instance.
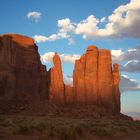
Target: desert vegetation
point(64, 128)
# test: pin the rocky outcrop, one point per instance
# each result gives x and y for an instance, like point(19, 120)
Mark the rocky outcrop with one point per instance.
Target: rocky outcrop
point(21, 73)
point(94, 81)
point(85, 76)
point(22, 76)
point(69, 95)
point(116, 80)
point(56, 84)
point(105, 79)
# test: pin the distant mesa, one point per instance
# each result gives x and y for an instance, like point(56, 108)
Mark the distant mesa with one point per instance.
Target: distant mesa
point(23, 77)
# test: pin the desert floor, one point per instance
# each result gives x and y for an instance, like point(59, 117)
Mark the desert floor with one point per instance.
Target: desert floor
point(14, 127)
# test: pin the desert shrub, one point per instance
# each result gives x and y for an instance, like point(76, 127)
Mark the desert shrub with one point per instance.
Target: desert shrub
point(22, 126)
point(62, 132)
point(102, 131)
point(40, 126)
point(4, 121)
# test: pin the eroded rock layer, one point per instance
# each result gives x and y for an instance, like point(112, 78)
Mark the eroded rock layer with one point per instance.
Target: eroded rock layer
point(56, 84)
point(94, 81)
point(22, 76)
point(21, 73)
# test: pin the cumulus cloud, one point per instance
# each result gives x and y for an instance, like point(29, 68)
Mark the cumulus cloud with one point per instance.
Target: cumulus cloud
point(117, 55)
point(70, 58)
point(34, 15)
point(40, 38)
point(47, 57)
point(123, 22)
point(87, 27)
point(65, 27)
point(128, 84)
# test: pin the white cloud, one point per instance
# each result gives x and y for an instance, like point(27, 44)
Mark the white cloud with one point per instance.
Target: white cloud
point(117, 53)
point(88, 27)
point(34, 15)
point(124, 22)
point(69, 57)
point(47, 57)
point(65, 25)
point(66, 58)
point(40, 38)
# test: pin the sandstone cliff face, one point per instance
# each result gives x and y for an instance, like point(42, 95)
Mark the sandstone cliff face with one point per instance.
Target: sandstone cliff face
point(22, 76)
point(116, 80)
point(94, 80)
point(69, 95)
point(56, 84)
point(21, 73)
point(105, 79)
point(85, 76)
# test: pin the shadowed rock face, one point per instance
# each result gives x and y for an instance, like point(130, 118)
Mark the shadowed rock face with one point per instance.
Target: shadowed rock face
point(116, 80)
point(56, 84)
point(22, 76)
point(21, 73)
point(94, 80)
point(69, 96)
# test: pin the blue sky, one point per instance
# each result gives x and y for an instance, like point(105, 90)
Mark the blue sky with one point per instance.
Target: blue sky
point(75, 24)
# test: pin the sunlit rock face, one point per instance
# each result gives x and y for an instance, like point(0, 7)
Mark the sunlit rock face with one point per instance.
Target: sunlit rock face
point(105, 79)
point(21, 73)
point(94, 80)
point(56, 83)
point(22, 76)
point(85, 76)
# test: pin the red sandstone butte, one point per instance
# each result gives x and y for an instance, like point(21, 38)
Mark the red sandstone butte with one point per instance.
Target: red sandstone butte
point(105, 79)
point(21, 73)
point(85, 76)
point(94, 81)
point(56, 84)
point(22, 76)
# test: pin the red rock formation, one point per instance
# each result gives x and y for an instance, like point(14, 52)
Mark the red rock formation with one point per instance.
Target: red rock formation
point(21, 73)
point(22, 76)
point(105, 79)
point(56, 81)
point(85, 76)
point(69, 96)
point(116, 80)
point(94, 81)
